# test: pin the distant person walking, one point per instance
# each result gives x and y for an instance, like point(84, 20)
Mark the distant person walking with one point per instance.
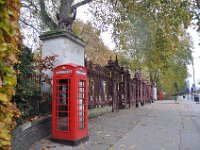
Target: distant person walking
point(196, 97)
point(175, 99)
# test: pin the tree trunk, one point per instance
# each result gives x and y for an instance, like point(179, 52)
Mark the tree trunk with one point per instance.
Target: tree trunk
point(64, 17)
point(45, 17)
point(65, 9)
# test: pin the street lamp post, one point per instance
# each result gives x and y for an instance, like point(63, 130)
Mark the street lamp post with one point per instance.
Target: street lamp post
point(176, 90)
point(193, 72)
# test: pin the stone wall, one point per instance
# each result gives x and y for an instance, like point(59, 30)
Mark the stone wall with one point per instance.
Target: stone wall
point(25, 135)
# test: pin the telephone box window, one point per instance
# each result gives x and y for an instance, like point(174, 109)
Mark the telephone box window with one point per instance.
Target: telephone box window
point(81, 103)
point(62, 104)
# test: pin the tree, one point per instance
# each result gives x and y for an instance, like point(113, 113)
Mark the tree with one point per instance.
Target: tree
point(26, 58)
point(123, 60)
point(58, 19)
point(196, 10)
point(150, 34)
point(25, 86)
point(39, 16)
point(95, 50)
point(9, 43)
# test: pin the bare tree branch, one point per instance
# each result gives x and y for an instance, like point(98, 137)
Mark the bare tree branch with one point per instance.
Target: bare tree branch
point(45, 17)
point(53, 3)
point(30, 25)
point(81, 3)
point(25, 5)
point(198, 3)
point(31, 3)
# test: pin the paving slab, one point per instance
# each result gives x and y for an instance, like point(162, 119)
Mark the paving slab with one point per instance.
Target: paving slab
point(163, 125)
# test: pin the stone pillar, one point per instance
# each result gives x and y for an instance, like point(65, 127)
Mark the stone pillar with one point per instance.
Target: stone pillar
point(154, 92)
point(68, 48)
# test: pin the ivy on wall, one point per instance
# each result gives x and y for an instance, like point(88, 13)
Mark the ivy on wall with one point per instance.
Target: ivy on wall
point(9, 43)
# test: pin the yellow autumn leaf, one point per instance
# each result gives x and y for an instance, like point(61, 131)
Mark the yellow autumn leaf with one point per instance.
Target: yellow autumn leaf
point(2, 125)
point(122, 146)
point(3, 47)
point(4, 134)
point(0, 82)
point(3, 97)
point(9, 42)
point(2, 1)
point(5, 142)
point(111, 147)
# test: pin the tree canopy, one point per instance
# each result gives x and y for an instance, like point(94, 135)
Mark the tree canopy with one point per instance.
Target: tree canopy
point(152, 34)
point(196, 9)
point(149, 33)
point(95, 50)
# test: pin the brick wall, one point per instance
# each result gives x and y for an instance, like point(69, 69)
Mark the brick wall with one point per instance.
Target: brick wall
point(25, 135)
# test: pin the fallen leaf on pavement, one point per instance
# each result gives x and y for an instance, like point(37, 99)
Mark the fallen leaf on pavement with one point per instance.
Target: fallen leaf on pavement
point(50, 146)
point(122, 146)
point(49, 142)
point(132, 146)
point(111, 147)
point(82, 146)
point(98, 132)
point(99, 142)
point(44, 148)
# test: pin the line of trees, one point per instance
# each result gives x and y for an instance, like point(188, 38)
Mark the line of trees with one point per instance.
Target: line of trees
point(150, 34)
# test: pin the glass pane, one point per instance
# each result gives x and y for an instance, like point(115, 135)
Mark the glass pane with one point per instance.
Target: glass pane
point(81, 126)
point(81, 103)
point(62, 124)
point(62, 108)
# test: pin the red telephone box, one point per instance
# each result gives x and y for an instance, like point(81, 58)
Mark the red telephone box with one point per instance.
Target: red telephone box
point(70, 104)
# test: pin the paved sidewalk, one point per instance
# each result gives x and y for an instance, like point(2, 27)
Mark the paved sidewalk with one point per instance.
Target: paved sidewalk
point(168, 126)
point(163, 125)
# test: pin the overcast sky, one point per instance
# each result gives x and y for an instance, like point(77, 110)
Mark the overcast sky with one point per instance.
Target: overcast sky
point(84, 15)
